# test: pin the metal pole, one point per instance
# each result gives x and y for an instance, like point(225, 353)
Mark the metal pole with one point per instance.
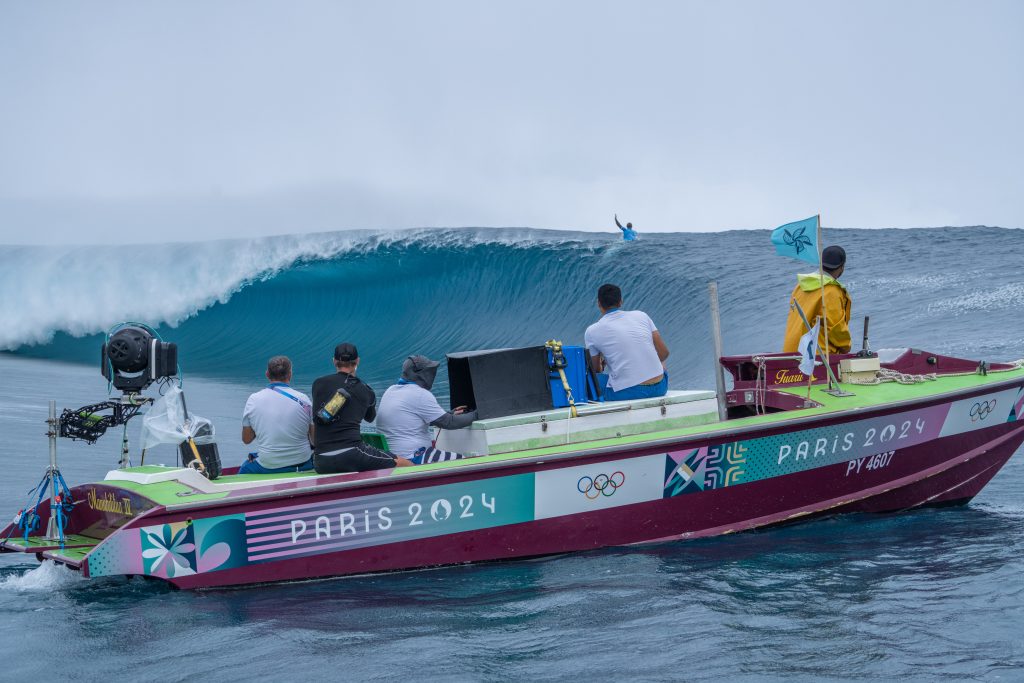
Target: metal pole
point(838, 391)
point(52, 533)
point(716, 335)
point(824, 314)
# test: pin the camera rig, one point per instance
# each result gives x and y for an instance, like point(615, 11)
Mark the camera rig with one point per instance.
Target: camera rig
point(132, 358)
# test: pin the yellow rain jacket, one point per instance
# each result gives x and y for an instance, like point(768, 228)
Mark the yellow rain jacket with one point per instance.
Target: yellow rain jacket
point(837, 309)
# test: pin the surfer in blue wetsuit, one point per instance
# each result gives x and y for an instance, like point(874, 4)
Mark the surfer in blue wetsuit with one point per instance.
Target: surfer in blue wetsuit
point(628, 233)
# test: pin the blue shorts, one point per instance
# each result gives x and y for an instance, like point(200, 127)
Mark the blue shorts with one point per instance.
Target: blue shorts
point(253, 466)
point(639, 391)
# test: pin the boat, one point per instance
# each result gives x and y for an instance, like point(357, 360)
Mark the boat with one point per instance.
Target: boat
point(865, 433)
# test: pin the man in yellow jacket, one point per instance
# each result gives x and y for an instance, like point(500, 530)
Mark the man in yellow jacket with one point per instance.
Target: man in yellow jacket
point(837, 304)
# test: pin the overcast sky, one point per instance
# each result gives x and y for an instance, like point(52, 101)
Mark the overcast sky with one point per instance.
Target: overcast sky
point(148, 121)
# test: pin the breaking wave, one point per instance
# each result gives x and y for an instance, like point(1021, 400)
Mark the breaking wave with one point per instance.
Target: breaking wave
point(231, 304)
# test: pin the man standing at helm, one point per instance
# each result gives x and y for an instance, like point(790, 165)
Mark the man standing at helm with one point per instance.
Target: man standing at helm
point(808, 293)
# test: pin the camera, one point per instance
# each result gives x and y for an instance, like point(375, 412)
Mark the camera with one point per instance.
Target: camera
point(133, 358)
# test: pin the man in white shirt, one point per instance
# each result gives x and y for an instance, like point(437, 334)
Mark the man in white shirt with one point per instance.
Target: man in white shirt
point(408, 410)
point(279, 419)
point(629, 347)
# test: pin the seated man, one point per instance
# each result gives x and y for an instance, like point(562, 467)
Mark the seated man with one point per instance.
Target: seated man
point(408, 410)
point(277, 418)
point(338, 446)
point(629, 347)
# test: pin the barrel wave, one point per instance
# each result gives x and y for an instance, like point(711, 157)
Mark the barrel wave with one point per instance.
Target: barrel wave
point(230, 305)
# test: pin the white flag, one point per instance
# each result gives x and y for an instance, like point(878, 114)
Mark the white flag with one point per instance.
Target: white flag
point(808, 348)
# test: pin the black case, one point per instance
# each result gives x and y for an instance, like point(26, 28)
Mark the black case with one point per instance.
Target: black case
point(499, 382)
point(208, 453)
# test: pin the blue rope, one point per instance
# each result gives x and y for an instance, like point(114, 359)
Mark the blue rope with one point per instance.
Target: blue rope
point(65, 504)
point(28, 518)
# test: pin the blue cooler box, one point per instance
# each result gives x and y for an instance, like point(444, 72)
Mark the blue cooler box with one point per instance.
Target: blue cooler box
point(575, 373)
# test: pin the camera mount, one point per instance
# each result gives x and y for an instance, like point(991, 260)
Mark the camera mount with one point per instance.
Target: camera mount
point(133, 357)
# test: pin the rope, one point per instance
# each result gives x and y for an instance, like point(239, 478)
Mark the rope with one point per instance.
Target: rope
point(558, 363)
point(28, 519)
point(760, 385)
point(887, 375)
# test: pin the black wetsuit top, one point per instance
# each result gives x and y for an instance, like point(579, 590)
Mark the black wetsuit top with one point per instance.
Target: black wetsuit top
point(343, 432)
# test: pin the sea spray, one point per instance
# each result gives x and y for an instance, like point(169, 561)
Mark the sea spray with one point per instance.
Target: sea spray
point(48, 576)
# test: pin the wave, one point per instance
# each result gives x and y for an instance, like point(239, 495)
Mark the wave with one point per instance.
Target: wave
point(231, 304)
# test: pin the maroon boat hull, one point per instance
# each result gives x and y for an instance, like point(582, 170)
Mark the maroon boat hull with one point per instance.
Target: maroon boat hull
point(933, 451)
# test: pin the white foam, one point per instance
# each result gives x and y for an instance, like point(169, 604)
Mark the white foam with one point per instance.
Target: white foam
point(86, 290)
point(47, 576)
point(987, 299)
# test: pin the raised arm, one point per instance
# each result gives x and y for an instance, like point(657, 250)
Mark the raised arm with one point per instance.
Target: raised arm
point(618, 223)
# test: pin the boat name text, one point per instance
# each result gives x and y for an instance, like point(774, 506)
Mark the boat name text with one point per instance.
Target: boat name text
point(871, 436)
point(783, 377)
point(870, 462)
point(108, 502)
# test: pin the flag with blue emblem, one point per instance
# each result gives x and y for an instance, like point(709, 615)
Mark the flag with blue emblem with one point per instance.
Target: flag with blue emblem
point(798, 240)
point(808, 348)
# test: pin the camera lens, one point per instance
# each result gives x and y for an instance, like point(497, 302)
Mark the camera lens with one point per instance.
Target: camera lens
point(128, 350)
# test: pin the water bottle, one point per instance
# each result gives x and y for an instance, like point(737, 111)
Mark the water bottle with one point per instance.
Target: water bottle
point(333, 406)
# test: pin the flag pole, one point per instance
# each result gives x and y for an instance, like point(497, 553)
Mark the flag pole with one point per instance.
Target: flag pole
point(824, 316)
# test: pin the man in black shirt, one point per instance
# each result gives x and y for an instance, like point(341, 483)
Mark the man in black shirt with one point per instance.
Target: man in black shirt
point(338, 446)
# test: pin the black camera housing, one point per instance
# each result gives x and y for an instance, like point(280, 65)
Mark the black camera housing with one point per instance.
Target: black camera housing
point(133, 359)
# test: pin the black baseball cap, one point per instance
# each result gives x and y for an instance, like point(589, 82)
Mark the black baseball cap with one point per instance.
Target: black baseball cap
point(833, 257)
point(346, 352)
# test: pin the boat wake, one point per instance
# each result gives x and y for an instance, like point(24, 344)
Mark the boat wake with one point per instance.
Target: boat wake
point(47, 577)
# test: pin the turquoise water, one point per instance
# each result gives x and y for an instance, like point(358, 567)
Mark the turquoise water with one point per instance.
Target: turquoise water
point(934, 594)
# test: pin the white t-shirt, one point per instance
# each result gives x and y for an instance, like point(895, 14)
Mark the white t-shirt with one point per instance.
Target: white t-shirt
point(281, 425)
point(626, 340)
point(404, 417)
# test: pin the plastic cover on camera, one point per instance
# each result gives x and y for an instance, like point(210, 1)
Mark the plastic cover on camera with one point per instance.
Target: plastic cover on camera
point(165, 422)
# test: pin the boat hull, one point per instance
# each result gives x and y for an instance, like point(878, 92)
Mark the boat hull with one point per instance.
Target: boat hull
point(886, 459)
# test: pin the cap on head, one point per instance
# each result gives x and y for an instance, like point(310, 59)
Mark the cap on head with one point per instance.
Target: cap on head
point(833, 257)
point(417, 363)
point(420, 370)
point(346, 353)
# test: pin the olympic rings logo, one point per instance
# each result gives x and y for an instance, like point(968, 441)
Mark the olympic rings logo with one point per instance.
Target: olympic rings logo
point(982, 409)
point(601, 485)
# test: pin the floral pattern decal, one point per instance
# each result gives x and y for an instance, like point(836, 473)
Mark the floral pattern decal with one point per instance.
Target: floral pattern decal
point(169, 550)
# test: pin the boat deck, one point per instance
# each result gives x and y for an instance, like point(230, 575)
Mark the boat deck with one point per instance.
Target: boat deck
point(180, 487)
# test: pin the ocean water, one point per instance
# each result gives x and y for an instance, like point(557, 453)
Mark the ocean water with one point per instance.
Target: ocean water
point(927, 595)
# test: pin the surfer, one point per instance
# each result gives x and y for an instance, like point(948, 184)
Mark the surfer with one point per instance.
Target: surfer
point(628, 233)
point(808, 293)
point(342, 401)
